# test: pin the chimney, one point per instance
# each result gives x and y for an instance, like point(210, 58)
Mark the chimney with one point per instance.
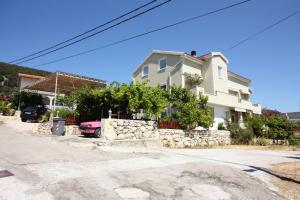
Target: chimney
point(193, 53)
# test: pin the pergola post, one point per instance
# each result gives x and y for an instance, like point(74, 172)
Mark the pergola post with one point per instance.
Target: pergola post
point(55, 89)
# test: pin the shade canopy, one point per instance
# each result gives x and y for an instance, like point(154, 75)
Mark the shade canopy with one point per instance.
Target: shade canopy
point(64, 83)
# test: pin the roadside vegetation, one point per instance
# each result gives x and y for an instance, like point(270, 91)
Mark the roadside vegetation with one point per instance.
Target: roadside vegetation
point(137, 100)
point(130, 100)
point(264, 130)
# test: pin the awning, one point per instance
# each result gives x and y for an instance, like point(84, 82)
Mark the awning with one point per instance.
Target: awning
point(245, 92)
point(64, 83)
point(233, 89)
point(239, 109)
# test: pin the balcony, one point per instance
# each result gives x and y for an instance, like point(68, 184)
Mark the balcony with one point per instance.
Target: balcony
point(225, 99)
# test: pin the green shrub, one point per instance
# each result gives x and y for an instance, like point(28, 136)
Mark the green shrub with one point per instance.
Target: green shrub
point(221, 126)
point(279, 128)
point(256, 123)
point(166, 118)
point(63, 113)
point(239, 135)
point(9, 112)
point(3, 106)
point(262, 141)
point(45, 117)
point(294, 141)
point(6, 109)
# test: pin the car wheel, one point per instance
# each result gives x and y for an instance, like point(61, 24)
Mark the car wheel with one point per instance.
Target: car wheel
point(23, 120)
point(97, 133)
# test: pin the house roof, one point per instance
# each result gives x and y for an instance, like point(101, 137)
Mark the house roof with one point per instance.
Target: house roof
point(199, 59)
point(242, 78)
point(66, 83)
point(293, 115)
point(183, 54)
point(214, 54)
point(30, 76)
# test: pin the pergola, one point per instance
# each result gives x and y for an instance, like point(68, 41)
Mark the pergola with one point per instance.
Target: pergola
point(64, 83)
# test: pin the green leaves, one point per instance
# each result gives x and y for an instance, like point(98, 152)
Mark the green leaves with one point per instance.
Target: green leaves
point(193, 79)
point(153, 100)
point(190, 111)
point(279, 128)
point(94, 103)
point(272, 127)
point(27, 99)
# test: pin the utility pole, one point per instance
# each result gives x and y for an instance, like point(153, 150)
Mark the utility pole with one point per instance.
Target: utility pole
point(55, 90)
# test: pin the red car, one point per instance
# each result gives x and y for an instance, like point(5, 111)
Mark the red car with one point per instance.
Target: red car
point(92, 128)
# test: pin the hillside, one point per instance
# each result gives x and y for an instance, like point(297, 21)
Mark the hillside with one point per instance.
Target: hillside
point(9, 75)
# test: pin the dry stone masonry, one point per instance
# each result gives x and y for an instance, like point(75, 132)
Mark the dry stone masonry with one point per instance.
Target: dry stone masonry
point(45, 129)
point(192, 139)
point(117, 129)
point(134, 129)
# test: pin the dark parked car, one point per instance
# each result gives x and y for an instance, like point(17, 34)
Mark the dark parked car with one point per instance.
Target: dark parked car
point(33, 113)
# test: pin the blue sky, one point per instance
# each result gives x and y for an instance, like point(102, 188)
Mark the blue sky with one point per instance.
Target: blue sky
point(271, 60)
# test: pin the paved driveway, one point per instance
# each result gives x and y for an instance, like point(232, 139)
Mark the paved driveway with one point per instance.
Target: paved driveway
point(47, 168)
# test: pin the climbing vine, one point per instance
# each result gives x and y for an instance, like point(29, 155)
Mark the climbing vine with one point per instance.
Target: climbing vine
point(193, 79)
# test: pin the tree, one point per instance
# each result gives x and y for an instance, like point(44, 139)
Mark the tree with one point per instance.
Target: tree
point(123, 99)
point(153, 100)
point(189, 110)
point(256, 123)
point(279, 128)
point(27, 99)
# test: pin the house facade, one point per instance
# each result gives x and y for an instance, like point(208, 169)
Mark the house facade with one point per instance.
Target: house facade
point(229, 94)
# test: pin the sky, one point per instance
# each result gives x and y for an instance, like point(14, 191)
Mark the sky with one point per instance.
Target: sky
point(271, 60)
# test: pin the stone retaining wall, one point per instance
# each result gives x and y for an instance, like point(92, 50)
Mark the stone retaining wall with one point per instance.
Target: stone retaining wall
point(191, 139)
point(117, 129)
point(45, 129)
point(133, 129)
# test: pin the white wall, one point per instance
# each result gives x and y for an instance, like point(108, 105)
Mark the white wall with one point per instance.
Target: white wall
point(219, 116)
point(27, 81)
point(156, 76)
point(220, 84)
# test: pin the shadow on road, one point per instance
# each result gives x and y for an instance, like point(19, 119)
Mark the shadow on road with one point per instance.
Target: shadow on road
point(252, 168)
point(293, 157)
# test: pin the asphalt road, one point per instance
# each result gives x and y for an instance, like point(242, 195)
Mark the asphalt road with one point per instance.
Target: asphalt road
point(47, 168)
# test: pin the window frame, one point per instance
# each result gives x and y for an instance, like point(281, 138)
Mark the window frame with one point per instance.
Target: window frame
point(220, 72)
point(159, 60)
point(143, 74)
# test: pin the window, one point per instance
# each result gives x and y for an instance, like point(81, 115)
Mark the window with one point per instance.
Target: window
point(245, 96)
point(232, 92)
point(163, 86)
point(145, 71)
point(220, 72)
point(162, 63)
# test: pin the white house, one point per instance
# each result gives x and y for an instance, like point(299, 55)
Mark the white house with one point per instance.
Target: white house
point(229, 93)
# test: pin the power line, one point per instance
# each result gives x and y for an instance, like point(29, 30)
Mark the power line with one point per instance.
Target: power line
point(98, 32)
point(145, 33)
point(88, 31)
point(263, 30)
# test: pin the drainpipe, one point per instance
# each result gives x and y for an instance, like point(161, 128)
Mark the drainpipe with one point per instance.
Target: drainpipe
point(20, 93)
